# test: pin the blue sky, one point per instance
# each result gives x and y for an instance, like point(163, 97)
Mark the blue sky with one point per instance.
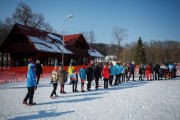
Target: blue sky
point(150, 19)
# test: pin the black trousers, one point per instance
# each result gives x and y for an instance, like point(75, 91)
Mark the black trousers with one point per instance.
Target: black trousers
point(97, 82)
point(38, 77)
point(157, 75)
point(74, 85)
point(131, 73)
point(54, 89)
point(89, 84)
point(106, 83)
point(140, 77)
point(111, 79)
point(120, 78)
point(29, 95)
point(117, 80)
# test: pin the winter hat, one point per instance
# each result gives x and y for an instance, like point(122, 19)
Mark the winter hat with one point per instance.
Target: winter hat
point(37, 61)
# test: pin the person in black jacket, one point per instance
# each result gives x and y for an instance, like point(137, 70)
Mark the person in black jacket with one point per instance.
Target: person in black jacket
point(157, 67)
point(97, 74)
point(141, 71)
point(38, 70)
point(89, 72)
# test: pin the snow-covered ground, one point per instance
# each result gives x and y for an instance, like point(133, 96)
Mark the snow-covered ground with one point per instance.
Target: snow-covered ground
point(139, 100)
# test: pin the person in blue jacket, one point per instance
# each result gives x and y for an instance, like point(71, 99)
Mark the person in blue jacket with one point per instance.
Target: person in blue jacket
point(132, 67)
point(170, 69)
point(121, 73)
point(112, 73)
point(117, 73)
point(82, 74)
point(31, 84)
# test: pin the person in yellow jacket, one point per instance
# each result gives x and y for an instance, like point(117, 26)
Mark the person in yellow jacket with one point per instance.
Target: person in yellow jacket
point(70, 71)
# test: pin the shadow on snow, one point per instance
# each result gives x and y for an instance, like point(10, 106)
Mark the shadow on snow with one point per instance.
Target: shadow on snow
point(42, 114)
point(70, 101)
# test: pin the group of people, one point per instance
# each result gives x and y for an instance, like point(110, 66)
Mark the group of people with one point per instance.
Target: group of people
point(110, 73)
point(157, 72)
point(96, 71)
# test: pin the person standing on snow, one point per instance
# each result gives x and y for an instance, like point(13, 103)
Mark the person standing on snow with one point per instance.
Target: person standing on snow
point(148, 72)
point(132, 67)
point(62, 79)
point(97, 75)
point(31, 84)
point(106, 75)
point(82, 74)
point(74, 79)
point(38, 67)
point(54, 80)
point(170, 70)
point(70, 71)
point(117, 73)
point(141, 71)
point(89, 72)
point(157, 74)
point(112, 72)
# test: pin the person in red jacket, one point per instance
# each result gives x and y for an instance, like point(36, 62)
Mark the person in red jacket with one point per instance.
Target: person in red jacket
point(148, 72)
point(106, 74)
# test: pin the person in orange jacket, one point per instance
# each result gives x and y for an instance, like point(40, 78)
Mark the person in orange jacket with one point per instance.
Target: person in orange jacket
point(106, 74)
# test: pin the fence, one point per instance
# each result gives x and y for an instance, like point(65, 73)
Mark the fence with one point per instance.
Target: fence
point(16, 74)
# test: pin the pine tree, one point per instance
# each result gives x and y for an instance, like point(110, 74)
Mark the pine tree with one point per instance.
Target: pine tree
point(140, 55)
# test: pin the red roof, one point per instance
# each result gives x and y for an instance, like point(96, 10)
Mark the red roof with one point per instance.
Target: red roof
point(71, 39)
point(76, 39)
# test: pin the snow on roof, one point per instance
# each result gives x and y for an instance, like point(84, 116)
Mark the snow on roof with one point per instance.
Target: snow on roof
point(47, 45)
point(110, 57)
point(54, 37)
point(94, 53)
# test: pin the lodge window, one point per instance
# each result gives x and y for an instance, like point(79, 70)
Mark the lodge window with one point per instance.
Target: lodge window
point(52, 61)
point(5, 59)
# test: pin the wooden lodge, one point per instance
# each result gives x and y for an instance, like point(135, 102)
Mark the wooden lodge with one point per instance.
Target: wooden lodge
point(25, 42)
